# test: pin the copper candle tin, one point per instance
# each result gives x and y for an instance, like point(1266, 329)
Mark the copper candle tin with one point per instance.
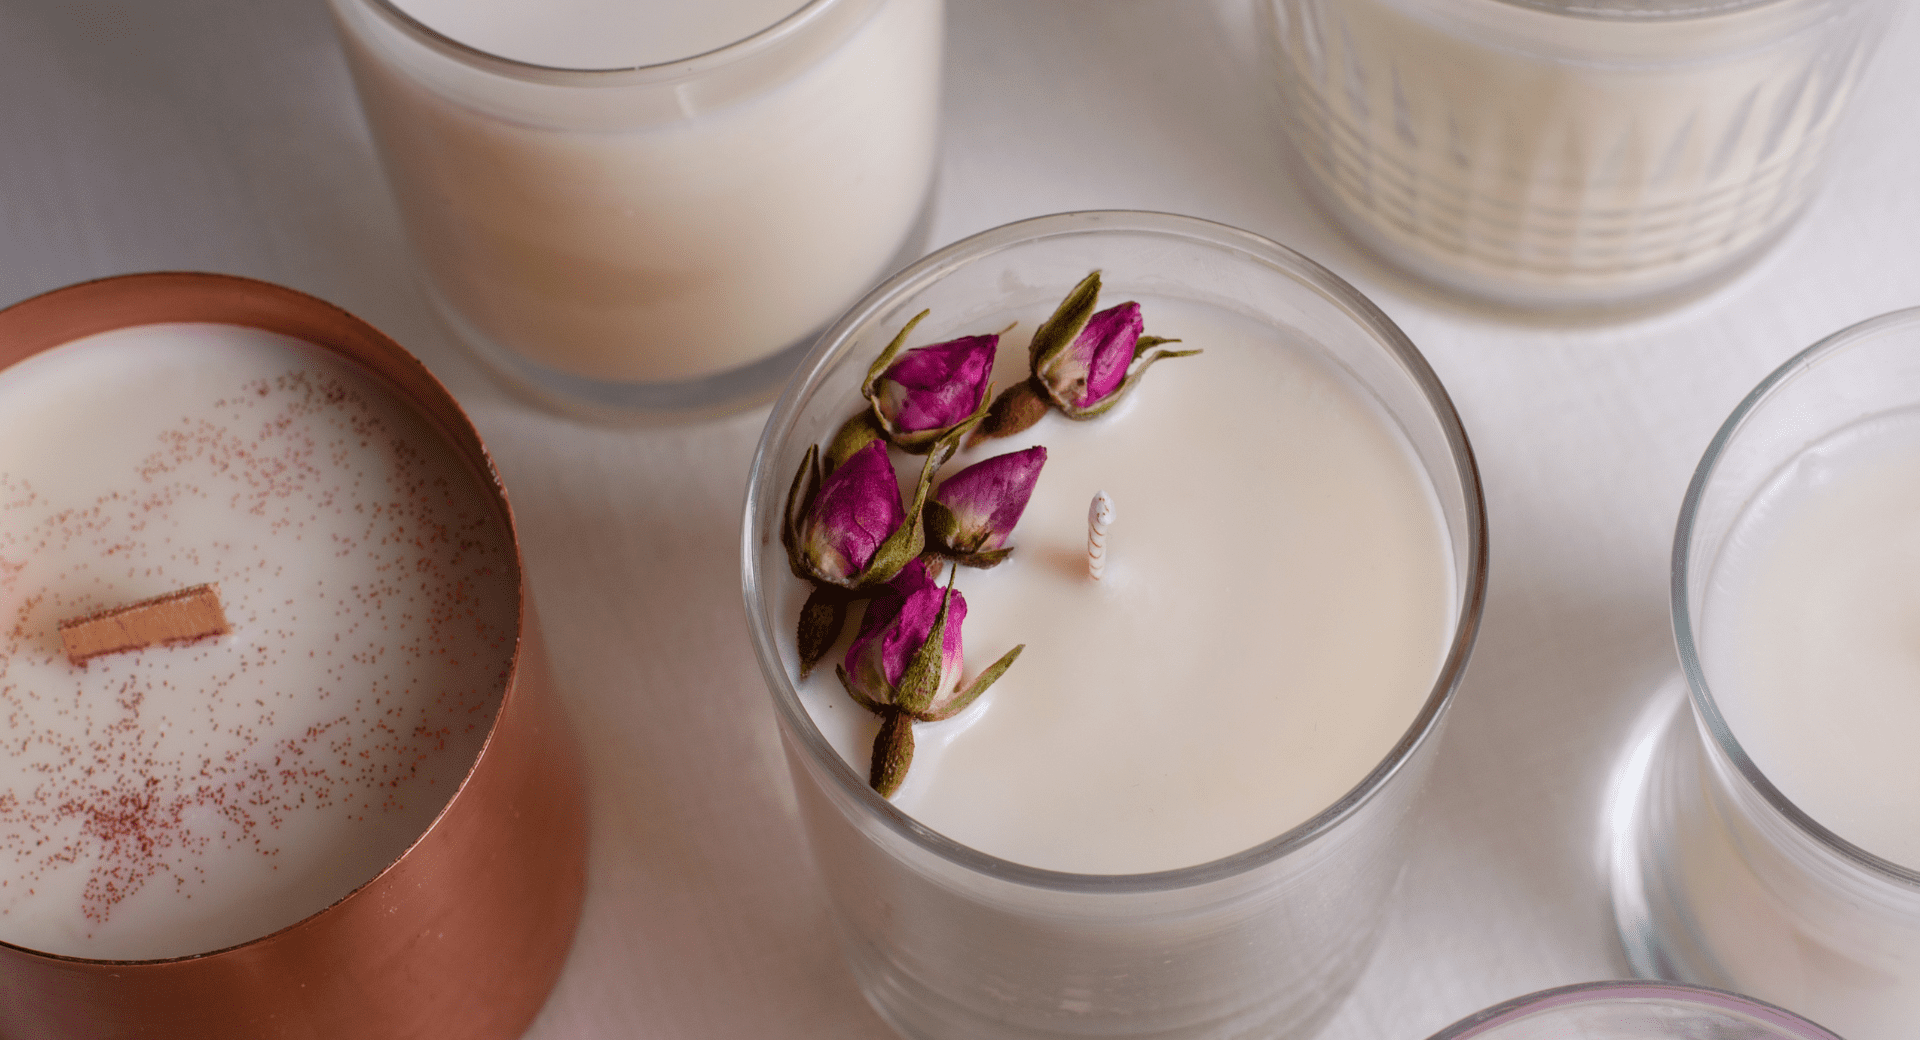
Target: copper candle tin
point(462, 936)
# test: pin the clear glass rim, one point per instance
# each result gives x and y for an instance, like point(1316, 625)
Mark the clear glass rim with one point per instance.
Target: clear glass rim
point(766, 487)
point(1683, 632)
point(1643, 10)
point(806, 14)
point(1521, 1008)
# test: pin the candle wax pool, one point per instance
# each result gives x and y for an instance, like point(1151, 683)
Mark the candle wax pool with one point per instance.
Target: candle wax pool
point(180, 799)
point(1278, 597)
point(1811, 633)
point(652, 232)
point(598, 34)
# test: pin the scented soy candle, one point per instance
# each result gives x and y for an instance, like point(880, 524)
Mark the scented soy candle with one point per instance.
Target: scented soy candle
point(1568, 153)
point(1776, 846)
point(650, 207)
point(263, 613)
point(1632, 1011)
point(1131, 831)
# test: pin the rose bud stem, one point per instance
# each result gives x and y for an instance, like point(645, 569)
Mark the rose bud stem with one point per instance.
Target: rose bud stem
point(1099, 519)
point(892, 752)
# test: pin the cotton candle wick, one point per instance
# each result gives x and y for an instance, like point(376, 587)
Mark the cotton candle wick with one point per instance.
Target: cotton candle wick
point(186, 616)
point(1099, 519)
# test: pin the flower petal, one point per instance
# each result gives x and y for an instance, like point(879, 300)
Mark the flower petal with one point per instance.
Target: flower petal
point(988, 497)
point(857, 507)
point(937, 386)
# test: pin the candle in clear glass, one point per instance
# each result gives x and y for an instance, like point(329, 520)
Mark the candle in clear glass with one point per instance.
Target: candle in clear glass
point(1261, 916)
point(1633, 1011)
point(627, 209)
point(1568, 153)
point(1772, 846)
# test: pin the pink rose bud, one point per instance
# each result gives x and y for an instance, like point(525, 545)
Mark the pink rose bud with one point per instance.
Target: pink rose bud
point(897, 625)
point(935, 387)
point(855, 510)
point(1096, 362)
point(972, 514)
point(905, 666)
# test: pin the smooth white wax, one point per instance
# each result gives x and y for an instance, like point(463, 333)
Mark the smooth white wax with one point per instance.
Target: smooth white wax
point(1563, 157)
point(1810, 640)
point(180, 799)
point(598, 34)
point(1279, 595)
point(1811, 633)
point(655, 230)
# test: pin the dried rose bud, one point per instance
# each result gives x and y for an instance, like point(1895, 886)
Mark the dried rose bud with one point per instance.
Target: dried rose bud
point(1094, 364)
point(1083, 363)
point(921, 396)
point(896, 627)
point(935, 387)
point(970, 516)
point(845, 531)
point(905, 666)
point(855, 510)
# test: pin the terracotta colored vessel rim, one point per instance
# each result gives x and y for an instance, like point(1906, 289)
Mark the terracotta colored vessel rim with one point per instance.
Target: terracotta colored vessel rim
point(59, 317)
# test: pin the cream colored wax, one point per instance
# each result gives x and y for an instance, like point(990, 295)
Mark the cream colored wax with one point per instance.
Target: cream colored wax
point(656, 227)
point(1808, 639)
point(181, 799)
point(1277, 600)
point(1541, 153)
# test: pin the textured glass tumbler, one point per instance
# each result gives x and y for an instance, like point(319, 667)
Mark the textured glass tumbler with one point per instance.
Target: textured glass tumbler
point(947, 941)
point(664, 239)
point(1718, 877)
point(1568, 153)
point(1633, 1011)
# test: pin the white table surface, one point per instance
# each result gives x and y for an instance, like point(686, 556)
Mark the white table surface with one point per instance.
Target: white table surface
point(223, 135)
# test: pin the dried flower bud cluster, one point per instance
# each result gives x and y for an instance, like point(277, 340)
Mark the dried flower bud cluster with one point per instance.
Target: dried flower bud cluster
point(847, 532)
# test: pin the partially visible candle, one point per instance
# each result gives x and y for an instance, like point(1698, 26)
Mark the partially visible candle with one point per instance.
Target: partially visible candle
point(1569, 152)
point(1812, 634)
point(594, 231)
point(1811, 638)
point(179, 799)
point(1279, 617)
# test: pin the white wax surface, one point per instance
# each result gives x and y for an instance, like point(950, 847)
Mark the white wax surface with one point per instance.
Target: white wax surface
point(180, 799)
point(1278, 598)
point(598, 34)
point(659, 232)
point(1563, 157)
point(1811, 633)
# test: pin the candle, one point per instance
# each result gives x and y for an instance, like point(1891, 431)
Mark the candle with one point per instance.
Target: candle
point(1562, 153)
point(1632, 1011)
point(650, 237)
point(1773, 849)
point(188, 796)
point(1277, 607)
point(1808, 631)
point(1179, 811)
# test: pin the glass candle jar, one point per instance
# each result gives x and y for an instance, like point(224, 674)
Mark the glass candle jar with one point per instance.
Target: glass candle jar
point(1568, 153)
point(661, 233)
point(1633, 1011)
point(1767, 840)
point(1263, 935)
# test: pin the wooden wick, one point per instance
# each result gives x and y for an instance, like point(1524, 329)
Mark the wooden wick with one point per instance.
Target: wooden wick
point(186, 616)
point(1099, 518)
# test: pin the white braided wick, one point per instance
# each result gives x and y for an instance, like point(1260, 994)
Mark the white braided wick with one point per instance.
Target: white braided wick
point(1099, 519)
